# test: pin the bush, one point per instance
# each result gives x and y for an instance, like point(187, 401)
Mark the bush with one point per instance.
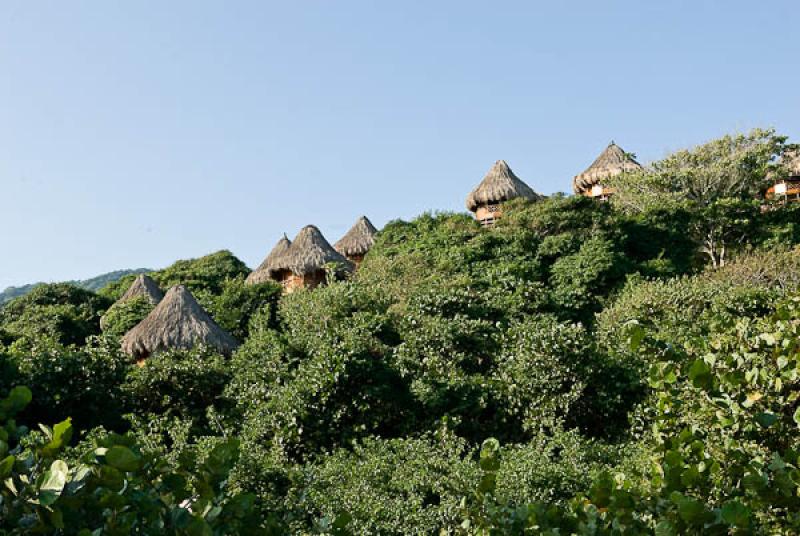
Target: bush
point(398, 486)
point(113, 488)
point(542, 371)
point(179, 383)
point(680, 310)
point(553, 467)
point(60, 313)
point(83, 384)
point(124, 316)
point(233, 308)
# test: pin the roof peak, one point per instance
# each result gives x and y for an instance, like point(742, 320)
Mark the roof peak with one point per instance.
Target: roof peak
point(358, 240)
point(264, 271)
point(500, 184)
point(309, 252)
point(613, 160)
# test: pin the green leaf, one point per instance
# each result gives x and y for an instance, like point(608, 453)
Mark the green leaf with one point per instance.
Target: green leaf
point(488, 483)
point(342, 520)
point(56, 518)
point(635, 334)
point(6, 465)
point(766, 419)
point(665, 528)
point(600, 492)
point(19, 398)
point(222, 457)
point(199, 527)
point(59, 437)
point(122, 458)
point(691, 510)
point(796, 417)
point(53, 482)
point(736, 514)
point(700, 374)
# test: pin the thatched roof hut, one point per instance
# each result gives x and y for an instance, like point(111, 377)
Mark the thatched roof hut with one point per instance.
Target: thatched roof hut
point(143, 286)
point(303, 263)
point(265, 271)
point(310, 252)
point(177, 322)
point(357, 241)
point(500, 184)
point(612, 161)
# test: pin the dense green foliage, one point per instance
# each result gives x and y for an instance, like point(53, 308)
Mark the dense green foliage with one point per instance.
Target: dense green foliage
point(60, 314)
point(576, 369)
point(94, 284)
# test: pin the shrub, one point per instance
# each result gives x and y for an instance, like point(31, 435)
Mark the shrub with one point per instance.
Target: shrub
point(398, 486)
point(83, 384)
point(180, 383)
point(59, 313)
point(122, 317)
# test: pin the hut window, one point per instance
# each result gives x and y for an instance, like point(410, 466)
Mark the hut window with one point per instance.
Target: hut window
point(597, 190)
point(780, 188)
point(493, 208)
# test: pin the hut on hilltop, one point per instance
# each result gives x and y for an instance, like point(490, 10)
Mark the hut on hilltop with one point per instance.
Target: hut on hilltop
point(499, 185)
point(178, 321)
point(355, 244)
point(787, 188)
point(303, 264)
point(266, 269)
point(142, 286)
point(611, 162)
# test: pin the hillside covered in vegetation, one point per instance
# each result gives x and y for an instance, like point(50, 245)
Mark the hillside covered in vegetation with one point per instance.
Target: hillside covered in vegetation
point(93, 284)
point(628, 367)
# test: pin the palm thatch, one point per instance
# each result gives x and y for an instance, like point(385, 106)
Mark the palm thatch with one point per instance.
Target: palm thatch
point(143, 286)
point(266, 270)
point(177, 322)
point(358, 240)
point(612, 161)
point(309, 252)
point(500, 184)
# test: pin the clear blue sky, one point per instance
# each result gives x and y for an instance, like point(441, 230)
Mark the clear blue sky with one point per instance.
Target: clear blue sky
point(137, 133)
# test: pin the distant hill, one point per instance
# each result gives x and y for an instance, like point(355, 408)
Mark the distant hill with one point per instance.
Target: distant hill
point(93, 284)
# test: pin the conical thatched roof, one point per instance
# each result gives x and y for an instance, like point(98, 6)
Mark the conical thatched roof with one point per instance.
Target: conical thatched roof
point(144, 286)
point(309, 252)
point(499, 185)
point(611, 162)
point(358, 240)
point(177, 322)
point(267, 268)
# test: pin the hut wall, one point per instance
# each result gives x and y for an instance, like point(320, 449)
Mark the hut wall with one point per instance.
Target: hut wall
point(488, 214)
point(785, 190)
point(599, 192)
point(292, 282)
